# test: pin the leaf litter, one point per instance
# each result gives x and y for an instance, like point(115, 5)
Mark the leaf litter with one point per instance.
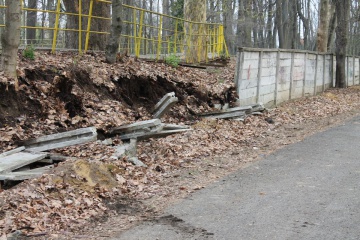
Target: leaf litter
point(58, 93)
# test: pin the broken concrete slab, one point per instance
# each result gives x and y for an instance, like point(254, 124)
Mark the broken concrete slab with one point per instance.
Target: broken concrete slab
point(162, 107)
point(163, 100)
point(23, 175)
point(228, 115)
point(16, 150)
point(247, 110)
point(141, 134)
point(137, 162)
point(174, 126)
point(18, 160)
point(258, 107)
point(147, 125)
point(59, 140)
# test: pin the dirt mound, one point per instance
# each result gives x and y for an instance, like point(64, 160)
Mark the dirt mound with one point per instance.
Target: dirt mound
point(57, 97)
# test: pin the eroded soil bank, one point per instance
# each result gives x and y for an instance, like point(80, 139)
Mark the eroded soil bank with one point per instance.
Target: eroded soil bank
point(95, 196)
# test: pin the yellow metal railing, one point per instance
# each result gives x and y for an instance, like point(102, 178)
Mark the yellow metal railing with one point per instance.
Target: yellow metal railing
point(145, 33)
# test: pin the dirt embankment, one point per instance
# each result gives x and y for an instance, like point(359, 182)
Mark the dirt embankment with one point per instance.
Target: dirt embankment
point(64, 92)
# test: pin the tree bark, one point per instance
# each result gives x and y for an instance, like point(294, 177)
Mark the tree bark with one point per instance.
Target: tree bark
point(10, 39)
point(343, 13)
point(100, 25)
point(115, 32)
point(31, 22)
point(228, 16)
point(322, 33)
point(195, 11)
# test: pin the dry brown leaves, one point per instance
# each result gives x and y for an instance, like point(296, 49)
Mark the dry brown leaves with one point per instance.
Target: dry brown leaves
point(75, 191)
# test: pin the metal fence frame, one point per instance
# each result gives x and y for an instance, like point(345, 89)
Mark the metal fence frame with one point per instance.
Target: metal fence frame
point(138, 42)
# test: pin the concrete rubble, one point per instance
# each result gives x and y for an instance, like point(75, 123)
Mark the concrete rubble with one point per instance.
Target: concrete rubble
point(15, 164)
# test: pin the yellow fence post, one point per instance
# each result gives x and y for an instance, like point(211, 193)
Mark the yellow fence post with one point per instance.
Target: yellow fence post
point(188, 43)
point(134, 23)
point(138, 44)
point(187, 37)
point(175, 36)
point(56, 27)
point(159, 38)
point(80, 26)
point(88, 25)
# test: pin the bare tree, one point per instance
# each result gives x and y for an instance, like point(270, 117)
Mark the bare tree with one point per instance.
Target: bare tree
point(322, 33)
point(115, 32)
point(195, 11)
point(343, 13)
point(31, 22)
point(10, 39)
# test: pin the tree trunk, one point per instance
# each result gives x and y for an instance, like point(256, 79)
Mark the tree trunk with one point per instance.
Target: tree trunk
point(332, 25)
point(195, 11)
point(322, 33)
point(115, 32)
point(343, 12)
point(99, 25)
point(228, 16)
point(279, 23)
point(31, 22)
point(306, 24)
point(10, 39)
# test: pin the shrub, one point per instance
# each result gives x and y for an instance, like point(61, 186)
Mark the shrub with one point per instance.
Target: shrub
point(172, 60)
point(29, 52)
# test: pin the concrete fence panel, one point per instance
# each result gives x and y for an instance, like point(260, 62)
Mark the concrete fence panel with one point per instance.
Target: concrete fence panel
point(273, 76)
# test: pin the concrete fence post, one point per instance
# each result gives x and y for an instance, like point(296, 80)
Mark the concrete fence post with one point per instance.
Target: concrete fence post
point(316, 73)
point(324, 71)
point(259, 77)
point(347, 71)
point(305, 70)
point(353, 70)
point(291, 75)
point(277, 76)
point(332, 70)
point(240, 73)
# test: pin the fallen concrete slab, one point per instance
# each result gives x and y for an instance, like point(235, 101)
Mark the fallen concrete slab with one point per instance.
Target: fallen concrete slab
point(163, 100)
point(228, 115)
point(59, 140)
point(16, 150)
point(18, 160)
point(174, 126)
point(164, 105)
point(23, 175)
point(147, 125)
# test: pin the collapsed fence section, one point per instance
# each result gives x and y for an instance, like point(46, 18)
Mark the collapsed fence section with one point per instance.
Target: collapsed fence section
point(84, 25)
point(273, 76)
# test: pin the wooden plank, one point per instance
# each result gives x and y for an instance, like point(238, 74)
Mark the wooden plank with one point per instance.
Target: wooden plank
point(60, 140)
point(18, 160)
point(143, 125)
point(165, 107)
point(16, 150)
point(23, 175)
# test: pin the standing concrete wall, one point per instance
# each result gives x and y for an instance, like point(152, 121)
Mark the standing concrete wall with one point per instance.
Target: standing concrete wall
point(272, 76)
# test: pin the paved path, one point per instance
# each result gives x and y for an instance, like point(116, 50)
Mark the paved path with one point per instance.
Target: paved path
point(309, 190)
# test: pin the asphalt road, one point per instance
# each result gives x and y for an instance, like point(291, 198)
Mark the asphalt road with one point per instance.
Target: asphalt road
point(308, 190)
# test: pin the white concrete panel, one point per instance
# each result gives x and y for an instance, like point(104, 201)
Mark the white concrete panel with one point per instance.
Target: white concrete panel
point(246, 84)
